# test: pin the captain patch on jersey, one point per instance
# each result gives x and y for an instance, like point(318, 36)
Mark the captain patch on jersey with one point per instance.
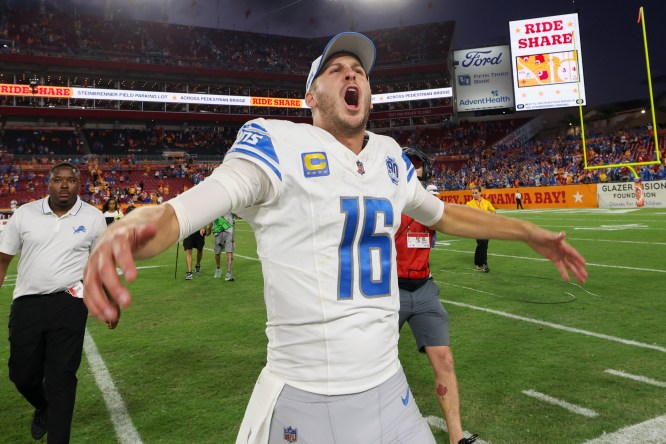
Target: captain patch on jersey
point(315, 164)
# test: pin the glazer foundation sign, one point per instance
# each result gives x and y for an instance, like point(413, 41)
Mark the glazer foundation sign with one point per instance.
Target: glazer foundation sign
point(547, 62)
point(632, 194)
point(483, 78)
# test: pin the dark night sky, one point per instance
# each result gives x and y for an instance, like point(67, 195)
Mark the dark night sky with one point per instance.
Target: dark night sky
point(612, 41)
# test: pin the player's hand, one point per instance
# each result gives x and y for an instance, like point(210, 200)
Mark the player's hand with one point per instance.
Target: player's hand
point(105, 292)
point(553, 247)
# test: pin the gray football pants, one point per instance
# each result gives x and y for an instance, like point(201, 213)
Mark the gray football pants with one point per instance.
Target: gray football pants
point(386, 414)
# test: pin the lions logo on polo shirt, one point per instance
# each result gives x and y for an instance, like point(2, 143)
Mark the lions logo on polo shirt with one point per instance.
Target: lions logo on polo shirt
point(315, 164)
point(79, 229)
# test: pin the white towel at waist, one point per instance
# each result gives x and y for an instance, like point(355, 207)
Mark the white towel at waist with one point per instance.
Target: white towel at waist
point(256, 423)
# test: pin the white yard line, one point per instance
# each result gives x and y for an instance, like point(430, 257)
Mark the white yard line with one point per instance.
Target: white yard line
point(652, 431)
point(573, 408)
point(621, 267)
point(616, 241)
point(246, 257)
point(540, 259)
point(439, 423)
point(122, 423)
point(567, 228)
point(236, 255)
point(638, 378)
point(556, 326)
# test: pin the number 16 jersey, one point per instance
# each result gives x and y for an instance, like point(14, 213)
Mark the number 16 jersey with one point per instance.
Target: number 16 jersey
point(326, 246)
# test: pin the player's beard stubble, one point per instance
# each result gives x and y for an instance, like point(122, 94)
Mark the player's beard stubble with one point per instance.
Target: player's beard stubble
point(335, 121)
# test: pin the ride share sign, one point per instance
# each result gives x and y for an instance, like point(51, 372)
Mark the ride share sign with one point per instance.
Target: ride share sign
point(547, 62)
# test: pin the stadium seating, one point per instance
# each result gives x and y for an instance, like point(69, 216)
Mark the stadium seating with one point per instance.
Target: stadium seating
point(409, 58)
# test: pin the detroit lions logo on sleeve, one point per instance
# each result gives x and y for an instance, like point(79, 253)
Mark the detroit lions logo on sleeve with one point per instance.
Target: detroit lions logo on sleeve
point(392, 169)
point(254, 141)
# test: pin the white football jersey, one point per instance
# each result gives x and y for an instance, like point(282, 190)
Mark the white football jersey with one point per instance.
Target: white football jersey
point(327, 253)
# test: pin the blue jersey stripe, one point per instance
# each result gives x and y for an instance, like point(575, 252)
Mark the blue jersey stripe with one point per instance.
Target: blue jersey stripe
point(410, 167)
point(262, 142)
point(257, 156)
point(263, 147)
point(255, 126)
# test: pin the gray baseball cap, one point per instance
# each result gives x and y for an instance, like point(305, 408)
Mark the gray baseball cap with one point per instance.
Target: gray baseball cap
point(351, 42)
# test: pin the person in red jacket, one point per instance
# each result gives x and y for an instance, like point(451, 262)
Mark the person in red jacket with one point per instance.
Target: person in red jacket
point(421, 308)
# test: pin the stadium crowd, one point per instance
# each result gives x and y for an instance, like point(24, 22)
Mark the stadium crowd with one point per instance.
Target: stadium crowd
point(549, 161)
point(58, 33)
point(118, 166)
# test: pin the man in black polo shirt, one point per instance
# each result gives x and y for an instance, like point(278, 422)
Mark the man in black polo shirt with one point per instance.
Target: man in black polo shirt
point(54, 236)
point(196, 240)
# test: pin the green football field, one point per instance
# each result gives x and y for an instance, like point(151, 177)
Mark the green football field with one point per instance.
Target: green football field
point(538, 360)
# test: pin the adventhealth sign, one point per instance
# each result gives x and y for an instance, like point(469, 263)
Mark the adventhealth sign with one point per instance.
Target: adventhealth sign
point(485, 100)
point(483, 78)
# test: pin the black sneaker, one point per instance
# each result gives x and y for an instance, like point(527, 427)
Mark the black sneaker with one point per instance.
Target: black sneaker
point(469, 439)
point(197, 269)
point(485, 268)
point(188, 276)
point(39, 422)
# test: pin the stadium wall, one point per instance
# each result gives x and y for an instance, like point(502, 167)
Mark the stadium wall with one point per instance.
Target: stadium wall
point(607, 195)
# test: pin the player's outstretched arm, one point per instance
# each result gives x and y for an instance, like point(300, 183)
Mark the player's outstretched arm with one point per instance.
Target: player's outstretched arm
point(144, 233)
point(464, 221)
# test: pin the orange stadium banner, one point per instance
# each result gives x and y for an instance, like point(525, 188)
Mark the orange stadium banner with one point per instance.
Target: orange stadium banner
point(60, 92)
point(276, 102)
point(567, 196)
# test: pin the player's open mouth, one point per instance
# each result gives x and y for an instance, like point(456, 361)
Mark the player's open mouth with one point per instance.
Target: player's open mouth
point(351, 96)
